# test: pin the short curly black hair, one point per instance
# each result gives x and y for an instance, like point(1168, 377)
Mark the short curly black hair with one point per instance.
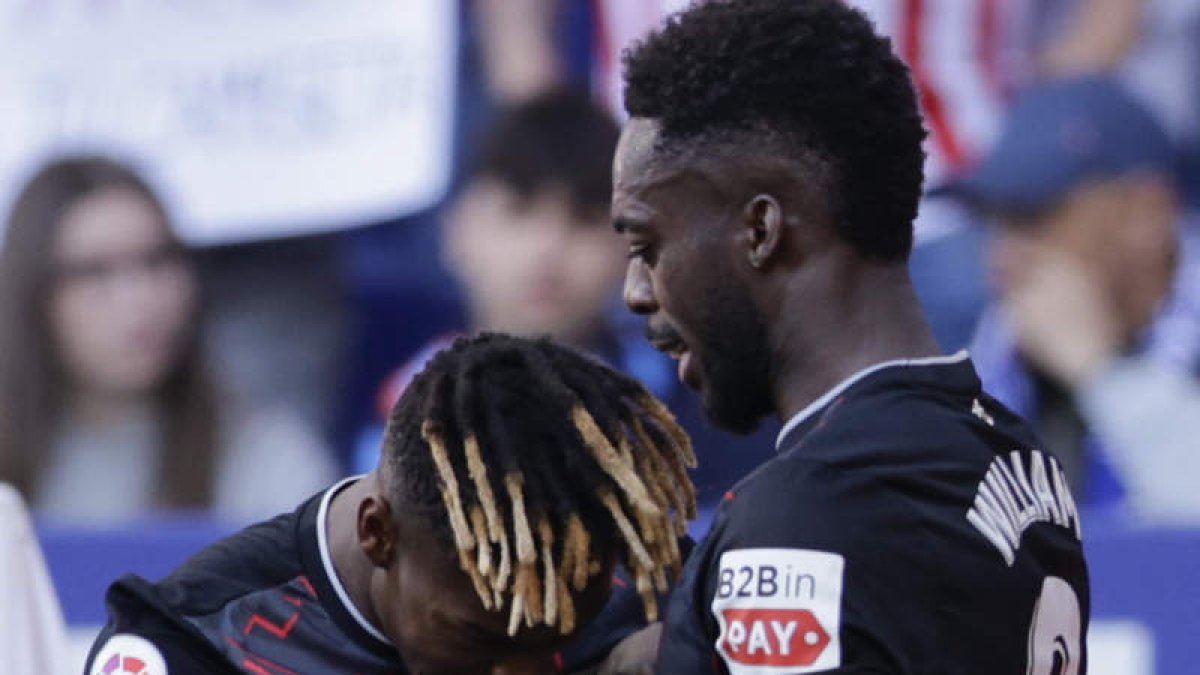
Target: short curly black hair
point(812, 73)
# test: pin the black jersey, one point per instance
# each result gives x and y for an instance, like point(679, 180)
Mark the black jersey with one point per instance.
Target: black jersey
point(268, 601)
point(910, 524)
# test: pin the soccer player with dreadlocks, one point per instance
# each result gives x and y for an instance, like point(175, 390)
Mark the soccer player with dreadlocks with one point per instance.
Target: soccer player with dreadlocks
point(516, 476)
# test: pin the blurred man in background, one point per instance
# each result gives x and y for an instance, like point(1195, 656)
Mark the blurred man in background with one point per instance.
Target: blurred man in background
point(1085, 337)
point(527, 237)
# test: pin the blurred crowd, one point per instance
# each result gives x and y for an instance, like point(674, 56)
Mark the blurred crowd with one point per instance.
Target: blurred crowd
point(1057, 243)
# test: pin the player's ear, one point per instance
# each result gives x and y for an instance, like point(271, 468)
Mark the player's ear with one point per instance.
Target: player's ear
point(762, 220)
point(376, 530)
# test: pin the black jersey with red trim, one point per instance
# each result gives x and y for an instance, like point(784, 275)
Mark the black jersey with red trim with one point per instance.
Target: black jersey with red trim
point(910, 524)
point(267, 601)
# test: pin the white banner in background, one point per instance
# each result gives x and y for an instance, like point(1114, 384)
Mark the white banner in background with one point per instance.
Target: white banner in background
point(255, 118)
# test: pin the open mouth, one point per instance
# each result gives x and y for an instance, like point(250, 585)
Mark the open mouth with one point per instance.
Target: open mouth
point(666, 340)
point(672, 348)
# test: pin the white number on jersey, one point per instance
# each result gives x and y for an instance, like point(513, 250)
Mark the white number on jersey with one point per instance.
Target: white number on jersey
point(1055, 636)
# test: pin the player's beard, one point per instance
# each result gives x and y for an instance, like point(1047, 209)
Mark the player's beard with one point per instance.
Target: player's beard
point(735, 360)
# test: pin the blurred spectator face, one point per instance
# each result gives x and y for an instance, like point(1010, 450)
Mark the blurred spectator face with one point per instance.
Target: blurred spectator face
point(122, 293)
point(1121, 231)
point(528, 238)
point(532, 265)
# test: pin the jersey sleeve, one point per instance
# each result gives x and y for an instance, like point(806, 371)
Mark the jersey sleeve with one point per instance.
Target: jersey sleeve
point(141, 637)
point(117, 651)
point(805, 571)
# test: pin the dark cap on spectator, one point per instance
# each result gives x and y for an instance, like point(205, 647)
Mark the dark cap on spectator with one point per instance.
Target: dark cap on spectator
point(1061, 134)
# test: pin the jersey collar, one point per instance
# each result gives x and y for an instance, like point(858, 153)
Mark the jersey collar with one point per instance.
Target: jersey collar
point(331, 571)
point(816, 406)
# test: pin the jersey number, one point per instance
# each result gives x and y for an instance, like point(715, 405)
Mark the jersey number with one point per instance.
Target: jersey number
point(1055, 636)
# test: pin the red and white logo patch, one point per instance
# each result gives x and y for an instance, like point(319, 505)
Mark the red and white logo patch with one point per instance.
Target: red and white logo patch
point(779, 610)
point(125, 654)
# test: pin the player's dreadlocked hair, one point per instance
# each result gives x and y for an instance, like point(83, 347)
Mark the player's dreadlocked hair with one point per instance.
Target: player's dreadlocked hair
point(811, 79)
point(539, 461)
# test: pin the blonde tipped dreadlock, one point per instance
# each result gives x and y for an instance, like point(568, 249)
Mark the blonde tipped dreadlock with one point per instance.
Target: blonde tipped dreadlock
point(548, 466)
point(611, 461)
point(683, 443)
point(685, 495)
point(483, 487)
point(576, 551)
point(458, 521)
point(483, 542)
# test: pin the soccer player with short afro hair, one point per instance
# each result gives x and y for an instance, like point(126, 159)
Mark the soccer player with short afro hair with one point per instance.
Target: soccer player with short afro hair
point(766, 186)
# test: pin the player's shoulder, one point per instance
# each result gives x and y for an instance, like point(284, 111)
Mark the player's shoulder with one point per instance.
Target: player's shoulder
point(909, 430)
point(868, 463)
point(260, 556)
point(150, 622)
point(794, 502)
point(146, 634)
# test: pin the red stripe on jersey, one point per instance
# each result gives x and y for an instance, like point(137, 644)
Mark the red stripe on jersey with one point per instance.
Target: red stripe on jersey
point(312, 592)
point(281, 632)
point(253, 667)
point(258, 664)
point(271, 664)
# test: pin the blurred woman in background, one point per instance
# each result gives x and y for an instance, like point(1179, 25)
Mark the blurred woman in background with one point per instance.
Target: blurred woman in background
point(106, 412)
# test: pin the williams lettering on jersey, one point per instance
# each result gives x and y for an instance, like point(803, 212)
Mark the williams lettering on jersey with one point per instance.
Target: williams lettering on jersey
point(1009, 499)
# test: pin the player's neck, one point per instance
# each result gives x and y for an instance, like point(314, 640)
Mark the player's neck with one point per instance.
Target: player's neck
point(871, 317)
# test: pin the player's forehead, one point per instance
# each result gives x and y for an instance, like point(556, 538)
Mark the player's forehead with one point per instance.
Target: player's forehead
point(635, 148)
point(638, 164)
point(650, 182)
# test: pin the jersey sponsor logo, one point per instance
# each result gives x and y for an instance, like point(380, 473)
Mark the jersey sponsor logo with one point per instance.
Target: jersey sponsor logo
point(1010, 499)
point(125, 654)
point(779, 610)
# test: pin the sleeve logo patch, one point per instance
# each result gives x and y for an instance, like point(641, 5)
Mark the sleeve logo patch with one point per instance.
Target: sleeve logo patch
point(779, 610)
point(126, 654)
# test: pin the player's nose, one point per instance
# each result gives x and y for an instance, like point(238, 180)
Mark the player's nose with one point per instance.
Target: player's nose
point(639, 291)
